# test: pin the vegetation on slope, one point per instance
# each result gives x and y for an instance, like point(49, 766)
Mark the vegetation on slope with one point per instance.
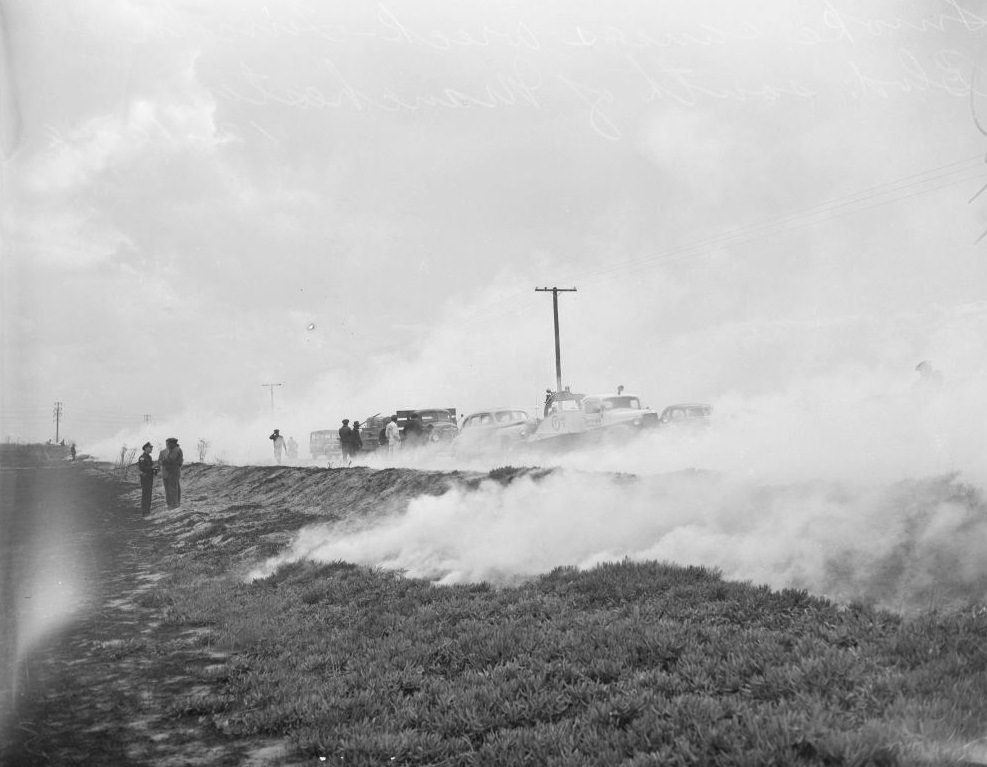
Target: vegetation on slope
point(626, 663)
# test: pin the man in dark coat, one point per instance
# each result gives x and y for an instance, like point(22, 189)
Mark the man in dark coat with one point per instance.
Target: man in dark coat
point(147, 469)
point(345, 441)
point(170, 460)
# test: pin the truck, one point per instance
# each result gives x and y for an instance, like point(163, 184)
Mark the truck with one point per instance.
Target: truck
point(572, 419)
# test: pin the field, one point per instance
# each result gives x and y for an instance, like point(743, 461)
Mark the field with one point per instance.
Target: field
point(206, 648)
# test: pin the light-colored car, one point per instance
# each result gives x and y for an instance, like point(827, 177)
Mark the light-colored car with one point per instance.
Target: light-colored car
point(492, 430)
point(686, 414)
point(625, 410)
point(580, 418)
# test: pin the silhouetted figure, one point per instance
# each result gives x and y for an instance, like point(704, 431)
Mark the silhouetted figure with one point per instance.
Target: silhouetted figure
point(344, 441)
point(72, 451)
point(292, 449)
point(147, 469)
point(414, 430)
point(278, 444)
point(356, 441)
point(170, 461)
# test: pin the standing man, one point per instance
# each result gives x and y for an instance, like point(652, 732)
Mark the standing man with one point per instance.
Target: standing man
point(147, 469)
point(345, 433)
point(170, 460)
point(393, 432)
point(292, 449)
point(278, 445)
point(356, 441)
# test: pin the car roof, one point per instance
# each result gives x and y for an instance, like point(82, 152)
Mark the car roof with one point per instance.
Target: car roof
point(689, 404)
point(614, 394)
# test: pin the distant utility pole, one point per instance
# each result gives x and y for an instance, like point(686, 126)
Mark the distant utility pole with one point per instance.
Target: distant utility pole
point(555, 312)
point(57, 418)
point(271, 387)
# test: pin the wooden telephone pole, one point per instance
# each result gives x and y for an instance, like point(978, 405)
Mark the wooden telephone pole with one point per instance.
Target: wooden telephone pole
point(56, 416)
point(555, 312)
point(271, 387)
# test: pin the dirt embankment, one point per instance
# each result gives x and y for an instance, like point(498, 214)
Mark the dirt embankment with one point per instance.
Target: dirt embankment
point(99, 685)
point(254, 510)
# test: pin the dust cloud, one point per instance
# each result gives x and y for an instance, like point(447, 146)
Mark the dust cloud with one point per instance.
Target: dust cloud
point(858, 492)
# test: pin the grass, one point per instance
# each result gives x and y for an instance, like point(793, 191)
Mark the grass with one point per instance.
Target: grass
point(627, 664)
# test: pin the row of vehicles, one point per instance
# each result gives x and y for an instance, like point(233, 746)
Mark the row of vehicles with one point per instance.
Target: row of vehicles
point(571, 420)
point(419, 427)
point(568, 420)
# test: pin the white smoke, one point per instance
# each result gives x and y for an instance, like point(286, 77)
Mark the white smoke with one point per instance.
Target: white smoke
point(822, 487)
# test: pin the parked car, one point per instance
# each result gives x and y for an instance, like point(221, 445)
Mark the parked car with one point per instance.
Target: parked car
point(428, 425)
point(324, 443)
point(604, 411)
point(686, 414)
point(491, 431)
point(580, 419)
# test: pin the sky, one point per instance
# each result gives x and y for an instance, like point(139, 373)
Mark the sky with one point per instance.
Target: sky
point(220, 218)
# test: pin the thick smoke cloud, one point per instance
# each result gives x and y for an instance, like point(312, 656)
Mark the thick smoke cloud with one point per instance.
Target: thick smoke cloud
point(856, 486)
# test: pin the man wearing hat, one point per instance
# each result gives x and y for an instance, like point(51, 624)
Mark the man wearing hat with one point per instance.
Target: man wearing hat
point(171, 460)
point(147, 469)
point(278, 441)
point(345, 441)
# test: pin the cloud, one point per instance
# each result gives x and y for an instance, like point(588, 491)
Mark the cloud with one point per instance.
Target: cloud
point(206, 171)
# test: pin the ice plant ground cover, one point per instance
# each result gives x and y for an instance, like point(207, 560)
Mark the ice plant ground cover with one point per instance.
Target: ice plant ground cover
point(618, 662)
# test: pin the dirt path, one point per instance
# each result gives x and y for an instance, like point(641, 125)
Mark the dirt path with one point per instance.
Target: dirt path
point(103, 684)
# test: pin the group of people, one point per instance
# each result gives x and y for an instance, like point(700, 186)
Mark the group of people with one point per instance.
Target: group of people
point(351, 442)
point(169, 465)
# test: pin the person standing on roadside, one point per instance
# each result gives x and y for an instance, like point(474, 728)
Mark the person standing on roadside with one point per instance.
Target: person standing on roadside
point(278, 444)
point(344, 440)
point(393, 432)
point(147, 469)
point(356, 441)
point(170, 460)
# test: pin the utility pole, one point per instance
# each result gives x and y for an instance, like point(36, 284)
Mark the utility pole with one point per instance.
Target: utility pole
point(555, 312)
point(57, 418)
point(271, 387)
